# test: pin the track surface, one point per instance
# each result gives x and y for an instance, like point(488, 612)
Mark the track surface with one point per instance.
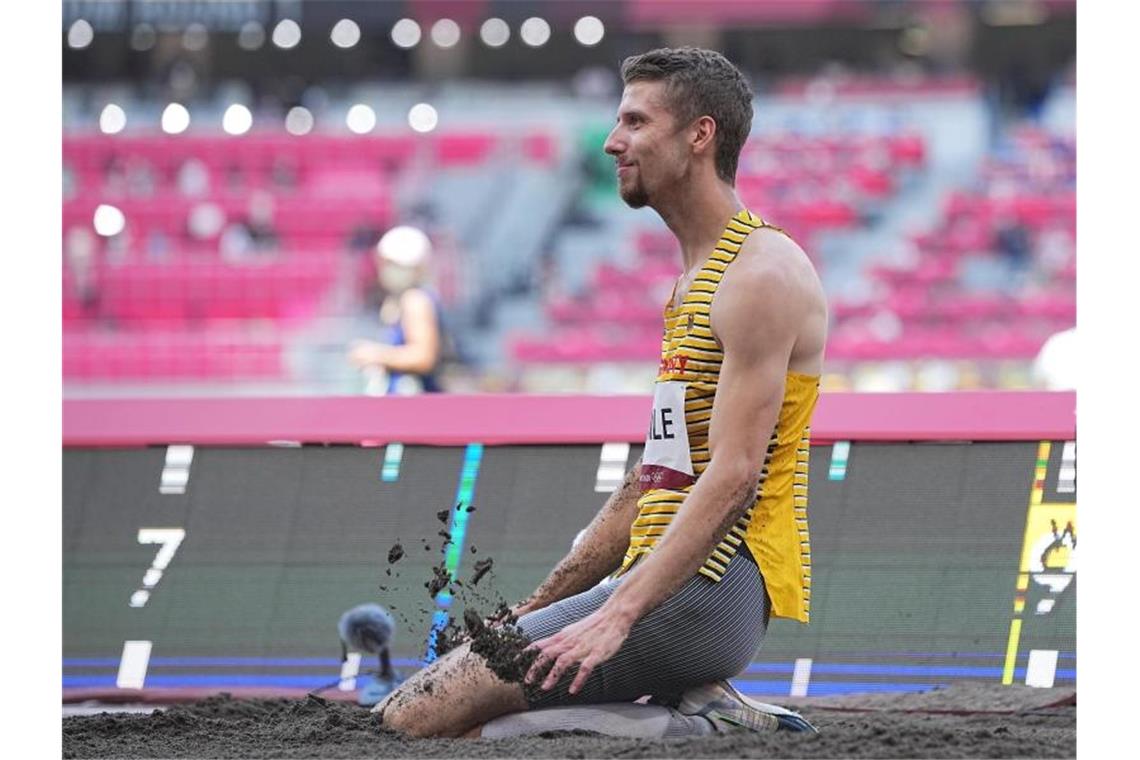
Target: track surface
point(965, 720)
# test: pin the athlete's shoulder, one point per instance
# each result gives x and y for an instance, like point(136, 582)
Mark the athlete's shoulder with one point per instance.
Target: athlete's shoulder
point(772, 264)
point(768, 294)
point(417, 299)
point(768, 260)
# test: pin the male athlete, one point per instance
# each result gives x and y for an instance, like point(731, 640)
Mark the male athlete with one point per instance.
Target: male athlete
point(670, 590)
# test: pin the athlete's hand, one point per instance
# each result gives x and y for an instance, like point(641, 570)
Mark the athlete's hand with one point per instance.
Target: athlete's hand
point(365, 353)
point(590, 641)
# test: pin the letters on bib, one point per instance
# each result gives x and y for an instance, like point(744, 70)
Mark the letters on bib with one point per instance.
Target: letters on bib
point(667, 462)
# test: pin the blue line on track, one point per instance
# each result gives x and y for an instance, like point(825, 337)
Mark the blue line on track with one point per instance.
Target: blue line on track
point(453, 552)
point(301, 662)
point(393, 455)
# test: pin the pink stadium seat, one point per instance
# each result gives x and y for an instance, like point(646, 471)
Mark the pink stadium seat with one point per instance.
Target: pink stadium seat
point(456, 149)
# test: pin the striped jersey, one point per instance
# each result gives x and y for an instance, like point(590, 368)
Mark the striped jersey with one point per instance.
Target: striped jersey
point(775, 526)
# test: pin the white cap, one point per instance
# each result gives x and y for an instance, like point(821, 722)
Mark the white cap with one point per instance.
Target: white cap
point(404, 245)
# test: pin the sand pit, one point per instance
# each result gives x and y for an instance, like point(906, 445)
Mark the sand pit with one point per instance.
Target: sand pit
point(973, 720)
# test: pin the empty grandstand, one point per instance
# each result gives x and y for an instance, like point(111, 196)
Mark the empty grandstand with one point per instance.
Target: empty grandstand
point(228, 168)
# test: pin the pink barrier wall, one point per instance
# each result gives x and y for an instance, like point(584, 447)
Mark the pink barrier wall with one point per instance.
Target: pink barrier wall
point(511, 419)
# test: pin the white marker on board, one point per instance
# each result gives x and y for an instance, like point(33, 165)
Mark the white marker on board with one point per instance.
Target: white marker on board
point(133, 664)
point(1042, 668)
point(801, 676)
point(176, 472)
point(611, 467)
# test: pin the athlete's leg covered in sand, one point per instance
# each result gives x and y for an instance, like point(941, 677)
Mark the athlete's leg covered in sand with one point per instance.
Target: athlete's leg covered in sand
point(448, 698)
point(705, 632)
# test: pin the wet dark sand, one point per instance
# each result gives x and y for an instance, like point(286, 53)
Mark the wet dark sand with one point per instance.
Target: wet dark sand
point(976, 720)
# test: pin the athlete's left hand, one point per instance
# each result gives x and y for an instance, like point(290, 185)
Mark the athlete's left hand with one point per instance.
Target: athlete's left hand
point(588, 642)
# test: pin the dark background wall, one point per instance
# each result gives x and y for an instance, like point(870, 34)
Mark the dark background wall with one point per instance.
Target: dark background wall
point(916, 555)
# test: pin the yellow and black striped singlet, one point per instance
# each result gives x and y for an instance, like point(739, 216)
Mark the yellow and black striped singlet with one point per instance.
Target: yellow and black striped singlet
point(775, 527)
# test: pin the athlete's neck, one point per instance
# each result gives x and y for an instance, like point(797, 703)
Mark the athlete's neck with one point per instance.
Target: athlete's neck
point(696, 216)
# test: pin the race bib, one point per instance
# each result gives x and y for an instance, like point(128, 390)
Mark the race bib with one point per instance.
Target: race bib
point(666, 462)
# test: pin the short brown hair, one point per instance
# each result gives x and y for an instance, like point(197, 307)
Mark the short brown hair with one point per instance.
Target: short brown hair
point(699, 83)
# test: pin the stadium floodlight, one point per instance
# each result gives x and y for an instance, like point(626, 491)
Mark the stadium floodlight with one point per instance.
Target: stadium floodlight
point(109, 220)
point(237, 119)
point(345, 33)
point(196, 37)
point(422, 117)
point(299, 121)
point(143, 37)
point(589, 30)
point(535, 31)
point(360, 119)
point(251, 36)
point(495, 32)
point(112, 120)
point(406, 33)
point(445, 33)
point(80, 35)
point(287, 34)
point(175, 119)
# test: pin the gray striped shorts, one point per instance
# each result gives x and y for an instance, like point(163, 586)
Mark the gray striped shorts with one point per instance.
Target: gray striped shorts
point(705, 632)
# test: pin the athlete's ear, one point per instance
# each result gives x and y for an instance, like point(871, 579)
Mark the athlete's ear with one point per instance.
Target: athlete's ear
point(703, 134)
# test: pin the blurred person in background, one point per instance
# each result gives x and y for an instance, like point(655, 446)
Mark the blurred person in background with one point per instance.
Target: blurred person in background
point(1011, 239)
point(255, 234)
point(193, 178)
point(80, 250)
point(406, 360)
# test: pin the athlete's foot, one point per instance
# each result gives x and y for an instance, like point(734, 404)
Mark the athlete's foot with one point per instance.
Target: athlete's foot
point(729, 710)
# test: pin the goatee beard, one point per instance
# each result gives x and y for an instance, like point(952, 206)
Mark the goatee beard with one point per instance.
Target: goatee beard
point(635, 197)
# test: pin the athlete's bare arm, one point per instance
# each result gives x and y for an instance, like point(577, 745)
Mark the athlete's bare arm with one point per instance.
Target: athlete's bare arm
point(598, 554)
point(420, 352)
point(769, 317)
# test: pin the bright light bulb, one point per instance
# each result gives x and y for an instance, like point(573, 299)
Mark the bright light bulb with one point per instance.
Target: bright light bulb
point(445, 33)
point(345, 33)
point(535, 31)
point(423, 118)
point(589, 30)
point(112, 120)
point(175, 119)
point(495, 32)
point(406, 33)
point(80, 35)
point(109, 220)
point(287, 34)
point(237, 119)
point(360, 119)
point(299, 121)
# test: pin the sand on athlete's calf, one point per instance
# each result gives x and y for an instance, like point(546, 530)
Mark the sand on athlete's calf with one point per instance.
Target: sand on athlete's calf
point(478, 680)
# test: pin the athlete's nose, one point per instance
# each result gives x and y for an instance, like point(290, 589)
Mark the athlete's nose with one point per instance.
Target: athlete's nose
point(614, 144)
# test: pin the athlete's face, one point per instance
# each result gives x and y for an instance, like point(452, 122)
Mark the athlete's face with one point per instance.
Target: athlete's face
point(646, 144)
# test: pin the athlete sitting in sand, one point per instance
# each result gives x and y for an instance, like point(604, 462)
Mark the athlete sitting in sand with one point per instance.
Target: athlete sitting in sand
point(670, 590)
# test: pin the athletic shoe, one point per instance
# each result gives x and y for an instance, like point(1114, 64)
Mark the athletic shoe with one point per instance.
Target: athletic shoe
point(729, 710)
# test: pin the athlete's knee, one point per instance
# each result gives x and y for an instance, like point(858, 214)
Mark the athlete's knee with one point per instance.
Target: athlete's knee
point(397, 711)
point(402, 716)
